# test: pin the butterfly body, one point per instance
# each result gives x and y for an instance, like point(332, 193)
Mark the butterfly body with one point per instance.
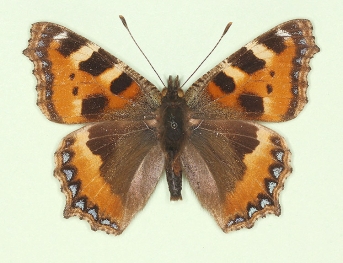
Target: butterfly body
point(133, 132)
point(172, 132)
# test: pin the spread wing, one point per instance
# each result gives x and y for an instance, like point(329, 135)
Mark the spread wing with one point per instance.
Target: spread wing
point(80, 82)
point(266, 80)
point(237, 170)
point(108, 171)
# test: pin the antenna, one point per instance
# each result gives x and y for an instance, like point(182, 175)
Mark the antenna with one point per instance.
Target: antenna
point(225, 30)
point(127, 28)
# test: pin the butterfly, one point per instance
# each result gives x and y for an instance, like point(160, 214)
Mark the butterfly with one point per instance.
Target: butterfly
point(133, 132)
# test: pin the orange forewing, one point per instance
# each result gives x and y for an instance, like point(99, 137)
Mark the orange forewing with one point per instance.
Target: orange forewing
point(68, 105)
point(276, 103)
point(79, 82)
point(261, 81)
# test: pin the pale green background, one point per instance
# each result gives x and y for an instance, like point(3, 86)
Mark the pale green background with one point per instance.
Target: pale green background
point(176, 35)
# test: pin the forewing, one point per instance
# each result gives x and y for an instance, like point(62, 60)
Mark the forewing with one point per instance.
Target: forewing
point(108, 171)
point(79, 82)
point(266, 80)
point(237, 170)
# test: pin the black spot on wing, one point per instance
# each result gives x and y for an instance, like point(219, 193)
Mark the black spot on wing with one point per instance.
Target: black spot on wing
point(120, 84)
point(70, 44)
point(247, 61)
point(75, 90)
point(269, 88)
point(93, 105)
point(224, 82)
point(97, 63)
point(251, 103)
point(273, 42)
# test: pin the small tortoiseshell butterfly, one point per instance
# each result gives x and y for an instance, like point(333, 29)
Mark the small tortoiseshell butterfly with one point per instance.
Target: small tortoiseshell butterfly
point(109, 168)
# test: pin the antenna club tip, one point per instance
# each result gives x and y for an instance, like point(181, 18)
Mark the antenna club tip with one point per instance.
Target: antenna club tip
point(227, 28)
point(123, 20)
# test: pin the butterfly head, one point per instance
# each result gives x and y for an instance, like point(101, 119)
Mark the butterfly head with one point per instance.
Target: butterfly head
point(173, 90)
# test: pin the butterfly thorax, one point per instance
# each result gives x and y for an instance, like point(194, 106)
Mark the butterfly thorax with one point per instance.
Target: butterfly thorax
point(172, 130)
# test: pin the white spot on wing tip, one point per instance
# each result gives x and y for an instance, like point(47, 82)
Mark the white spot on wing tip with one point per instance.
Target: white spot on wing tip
point(282, 33)
point(39, 54)
point(302, 41)
point(62, 35)
point(303, 51)
point(296, 74)
point(40, 43)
